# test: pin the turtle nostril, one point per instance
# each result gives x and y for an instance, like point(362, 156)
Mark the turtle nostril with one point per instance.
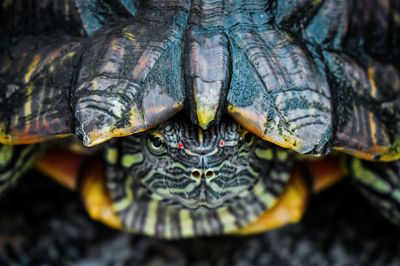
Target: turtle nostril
point(209, 173)
point(196, 173)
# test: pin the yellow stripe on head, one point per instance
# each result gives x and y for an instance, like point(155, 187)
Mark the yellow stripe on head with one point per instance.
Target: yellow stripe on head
point(131, 159)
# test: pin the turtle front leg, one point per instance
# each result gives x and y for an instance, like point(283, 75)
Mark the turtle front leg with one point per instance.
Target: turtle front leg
point(380, 184)
point(74, 172)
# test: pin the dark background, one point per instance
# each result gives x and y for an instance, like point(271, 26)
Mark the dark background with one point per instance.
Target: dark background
point(41, 223)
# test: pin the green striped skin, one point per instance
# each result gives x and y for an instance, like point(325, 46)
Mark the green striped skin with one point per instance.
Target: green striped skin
point(380, 183)
point(180, 181)
point(14, 161)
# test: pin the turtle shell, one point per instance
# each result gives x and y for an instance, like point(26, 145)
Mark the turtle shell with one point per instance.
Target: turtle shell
point(307, 75)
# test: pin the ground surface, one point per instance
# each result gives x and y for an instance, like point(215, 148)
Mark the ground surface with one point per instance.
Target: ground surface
point(43, 224)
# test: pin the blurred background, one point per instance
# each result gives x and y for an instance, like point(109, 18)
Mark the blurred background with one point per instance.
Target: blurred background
point(41, 223)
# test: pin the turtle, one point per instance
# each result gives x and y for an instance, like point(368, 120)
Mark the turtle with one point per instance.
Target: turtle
point(191, 118)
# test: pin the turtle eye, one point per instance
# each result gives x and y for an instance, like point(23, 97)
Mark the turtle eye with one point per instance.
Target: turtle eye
point(155, 142)
point(248, 138)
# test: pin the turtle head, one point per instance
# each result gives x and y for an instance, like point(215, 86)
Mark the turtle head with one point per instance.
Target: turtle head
point(216, 179)
point(183, 164)
point(194, 167)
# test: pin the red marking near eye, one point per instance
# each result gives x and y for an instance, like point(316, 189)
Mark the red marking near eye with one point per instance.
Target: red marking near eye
point(180, 145)
point(221, 143)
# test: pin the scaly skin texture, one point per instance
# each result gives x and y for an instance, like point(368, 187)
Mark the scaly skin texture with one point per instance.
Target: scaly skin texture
point(307, 75)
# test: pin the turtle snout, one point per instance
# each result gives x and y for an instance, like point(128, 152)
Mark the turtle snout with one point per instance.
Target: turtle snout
point(202, 173)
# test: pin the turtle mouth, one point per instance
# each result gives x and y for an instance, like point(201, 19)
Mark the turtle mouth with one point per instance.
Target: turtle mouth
point(203, 193)
point(208, 204)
